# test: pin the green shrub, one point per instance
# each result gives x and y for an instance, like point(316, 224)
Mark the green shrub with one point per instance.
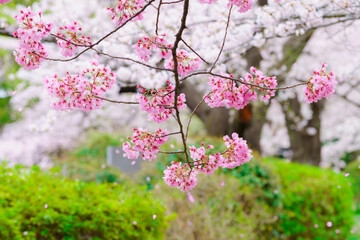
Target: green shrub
point(39, 205)
point(353, 169)
point(311, 195)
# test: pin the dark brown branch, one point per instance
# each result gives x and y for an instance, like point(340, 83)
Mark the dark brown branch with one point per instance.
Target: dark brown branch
point(176, 74)
point(157, 18)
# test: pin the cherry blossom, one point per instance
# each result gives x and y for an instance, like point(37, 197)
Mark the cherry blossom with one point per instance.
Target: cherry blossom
point(259, 79)
point(30, 52)
point(69, 39)
point(244, 5)
point(225, 92)
point(4, 1)
point(145, 142)
point(182, 177)
point(203, 163)
point(83, 91)
point(237, 152)
point(186, 64)
point(160, 103)
point(145, 44)
point(320, 85)
point(125, 9)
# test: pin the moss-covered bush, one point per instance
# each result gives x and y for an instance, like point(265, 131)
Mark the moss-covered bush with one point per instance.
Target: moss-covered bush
point(311, 197)
point(38, 205)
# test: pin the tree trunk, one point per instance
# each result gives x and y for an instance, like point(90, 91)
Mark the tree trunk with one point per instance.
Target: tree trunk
point(305, 140)
point(250, 127)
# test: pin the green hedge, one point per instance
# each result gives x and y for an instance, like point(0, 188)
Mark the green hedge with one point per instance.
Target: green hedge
point(38, 205)
point(311, 195)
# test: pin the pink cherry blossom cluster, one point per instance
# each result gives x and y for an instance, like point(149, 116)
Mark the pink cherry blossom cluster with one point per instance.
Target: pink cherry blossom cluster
point(244, 5)
point(186, 64)
point(237, 152)
point(182, 177)
point(160, 103)
point(226, 93)
point(4, 1)
point(145, 142)
point(30, 51)
point(145, 44)
point(320, 85)
point(81, 90)
point(69, 39)
point(259, 79)
point(125, 9)
point(205, 164)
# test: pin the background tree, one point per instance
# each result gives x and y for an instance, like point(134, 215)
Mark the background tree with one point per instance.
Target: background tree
point(249, 42)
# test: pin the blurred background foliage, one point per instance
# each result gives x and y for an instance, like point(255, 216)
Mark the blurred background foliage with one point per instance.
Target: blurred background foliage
point(267, 198)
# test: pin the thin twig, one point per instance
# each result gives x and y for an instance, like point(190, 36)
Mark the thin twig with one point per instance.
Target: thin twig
point(194, 51)
point(224, 40)
point(101, 39)
point(192, 114)
point(166, 135)
point(241, 81)
point(114, 101)
point(179, 1)
point(131, 60)
point(175, 152)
